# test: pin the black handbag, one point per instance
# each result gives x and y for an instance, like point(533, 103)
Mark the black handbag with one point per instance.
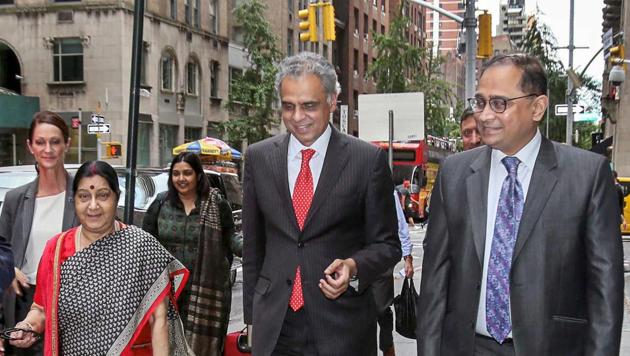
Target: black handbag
point(405, 308)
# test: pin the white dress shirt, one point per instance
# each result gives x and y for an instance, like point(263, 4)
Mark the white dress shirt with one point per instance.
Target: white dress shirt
point(527, 155)
point(294, 158)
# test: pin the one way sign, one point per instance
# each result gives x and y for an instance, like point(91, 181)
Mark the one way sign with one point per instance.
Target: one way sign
point(563, 109)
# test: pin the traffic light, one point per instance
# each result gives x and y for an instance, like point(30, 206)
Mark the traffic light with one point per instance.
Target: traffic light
point(617, 55)
point(112, 150)
point(308, 23)
point(328, 13)
point(484, 43)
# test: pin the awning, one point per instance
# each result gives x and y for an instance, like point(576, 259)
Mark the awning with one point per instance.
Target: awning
point(17, 111)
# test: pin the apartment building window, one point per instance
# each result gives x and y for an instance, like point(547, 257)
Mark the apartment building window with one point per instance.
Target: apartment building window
point(191, 75)
point(355, 62)
point(356, 21)
point(235, 74)
point(68, 60)
point(374, 27)
point(365, 64)
point(187, 12)
point(289, 42)
point(366, 26)
point(290, 6)
point(382, 29)
point(214, 79)
point(167, 72)
point(173, 7)
point(192, 134)
point(145, 59)
point(196, 12)
point(214, 20)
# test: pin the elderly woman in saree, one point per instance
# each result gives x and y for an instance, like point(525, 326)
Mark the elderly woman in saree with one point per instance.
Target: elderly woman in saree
point(194, 222)
point(104, 288)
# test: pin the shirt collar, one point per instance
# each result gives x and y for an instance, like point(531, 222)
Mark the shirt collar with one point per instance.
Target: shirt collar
point(527, 155)
point(320, 145)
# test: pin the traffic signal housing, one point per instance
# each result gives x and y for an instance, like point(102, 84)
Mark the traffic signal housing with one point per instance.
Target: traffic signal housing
point(617, 55)
point(308, 23)
point(112, 149)
point(328, 13)
point(484, 43)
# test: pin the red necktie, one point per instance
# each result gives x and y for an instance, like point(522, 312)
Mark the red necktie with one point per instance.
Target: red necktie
point(302, 197)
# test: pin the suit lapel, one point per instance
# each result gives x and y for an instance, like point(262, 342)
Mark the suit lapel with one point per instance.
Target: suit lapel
point(29, 211)
point(334, 162)
point(477, 192)
point(278, 162)
point(542, 183)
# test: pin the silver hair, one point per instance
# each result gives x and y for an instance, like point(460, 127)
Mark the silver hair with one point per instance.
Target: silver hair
point(309, 63)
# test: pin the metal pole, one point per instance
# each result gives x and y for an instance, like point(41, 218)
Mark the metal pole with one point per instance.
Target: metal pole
point(470, 23)
point(14, 137)
point(80, 134)
point(134, 107)
point(547, 121)
point(390, 151)
point(569, 96)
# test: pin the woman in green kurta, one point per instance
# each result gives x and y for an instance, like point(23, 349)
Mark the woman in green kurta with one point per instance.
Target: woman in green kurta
point(194, 223)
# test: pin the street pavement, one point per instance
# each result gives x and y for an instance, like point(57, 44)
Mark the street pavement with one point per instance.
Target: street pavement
point(407, 347)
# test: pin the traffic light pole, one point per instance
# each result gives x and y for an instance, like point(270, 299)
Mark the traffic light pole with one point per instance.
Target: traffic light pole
point(569, 96)
point(134, 108)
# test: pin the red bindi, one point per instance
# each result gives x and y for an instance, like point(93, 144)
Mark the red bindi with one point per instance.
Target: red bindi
point(92, 187)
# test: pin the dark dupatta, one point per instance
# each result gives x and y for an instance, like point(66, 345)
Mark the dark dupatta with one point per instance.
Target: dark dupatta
point(210, 293)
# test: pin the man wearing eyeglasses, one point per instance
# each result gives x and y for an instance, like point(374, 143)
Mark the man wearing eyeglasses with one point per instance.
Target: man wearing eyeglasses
point(468, 130)
point(523, 253)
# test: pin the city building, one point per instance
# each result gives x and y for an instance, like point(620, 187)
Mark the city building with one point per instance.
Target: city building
point(76, 57)
point(353, 51)
point(442, 31)
point(616, 93)
point(513, 21)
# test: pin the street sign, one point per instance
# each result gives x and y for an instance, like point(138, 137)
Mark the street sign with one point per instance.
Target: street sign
point(98, 119)
point(563, 109)
point(607, 41)
point(94, 129)
point(343, 118)
point(76, 122)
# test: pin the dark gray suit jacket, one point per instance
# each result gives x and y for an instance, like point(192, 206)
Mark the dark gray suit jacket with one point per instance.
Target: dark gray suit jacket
point(352, 215)
point(566, 282)
point(15, 226)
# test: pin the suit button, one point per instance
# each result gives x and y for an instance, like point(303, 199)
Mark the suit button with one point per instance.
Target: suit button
point(300, 244)
point(472, 325)
point(289, 282)
point(478, 286)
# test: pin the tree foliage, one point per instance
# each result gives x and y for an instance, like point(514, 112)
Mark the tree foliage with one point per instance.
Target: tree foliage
point(540, 41)
point(401, 67)
point(252, 94)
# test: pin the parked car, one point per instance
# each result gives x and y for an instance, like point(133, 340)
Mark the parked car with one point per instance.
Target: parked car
point(149, 182)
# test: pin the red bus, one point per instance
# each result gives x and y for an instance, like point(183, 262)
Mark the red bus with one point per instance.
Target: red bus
point(418, 162)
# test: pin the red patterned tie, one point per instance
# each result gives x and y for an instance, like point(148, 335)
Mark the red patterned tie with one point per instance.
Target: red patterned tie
point(302, 197)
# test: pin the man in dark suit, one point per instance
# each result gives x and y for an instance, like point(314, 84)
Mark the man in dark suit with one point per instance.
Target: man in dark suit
point(317, 211)
point(523, 251)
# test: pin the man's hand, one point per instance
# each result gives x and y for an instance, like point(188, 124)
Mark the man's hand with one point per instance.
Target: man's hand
point(20, 281)
point(338, 276)
point(409, 266)
point(1, 347)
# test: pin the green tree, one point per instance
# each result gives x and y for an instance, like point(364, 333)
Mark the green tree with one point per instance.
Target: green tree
point(540, 41)
point(401, 67)
point(252, 94)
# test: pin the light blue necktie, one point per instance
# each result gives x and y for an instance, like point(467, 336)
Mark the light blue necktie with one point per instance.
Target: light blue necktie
point(509, 211)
